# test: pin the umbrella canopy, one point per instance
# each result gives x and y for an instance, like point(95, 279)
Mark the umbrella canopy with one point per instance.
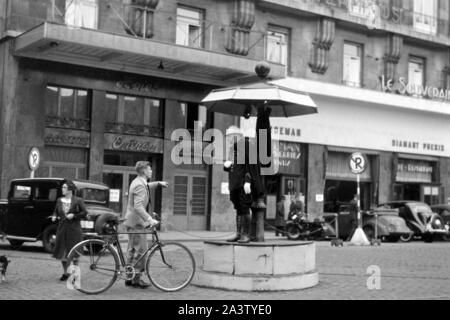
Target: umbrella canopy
point(284, 102)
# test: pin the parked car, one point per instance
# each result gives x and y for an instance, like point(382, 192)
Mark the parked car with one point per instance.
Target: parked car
point(389, 225)
point(420, 219)
point(31, 203)
point(444, 211)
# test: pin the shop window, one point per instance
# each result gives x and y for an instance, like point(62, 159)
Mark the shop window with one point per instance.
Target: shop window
point(425, 16)
point(82, 13)
point(134, 110)
point(190, 27)
point(64, 162)
point(277, 45)
point(194, 112)
point(68, 103)
point(352, 64)
point(416, 73)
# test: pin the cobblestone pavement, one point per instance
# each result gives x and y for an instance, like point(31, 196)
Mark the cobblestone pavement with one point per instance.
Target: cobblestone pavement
point(408, 271)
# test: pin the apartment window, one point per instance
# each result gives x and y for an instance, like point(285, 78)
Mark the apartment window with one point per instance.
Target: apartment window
point(69, 103)
point(425, 16)
point(82, 13)
point(277, 45)
point(352, 64)
point(416, 72)
point(134, 110)
point(190, 28)
point(194, 112)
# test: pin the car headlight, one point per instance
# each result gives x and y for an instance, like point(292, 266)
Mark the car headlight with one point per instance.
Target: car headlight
point(437, 223)
point(294, 217)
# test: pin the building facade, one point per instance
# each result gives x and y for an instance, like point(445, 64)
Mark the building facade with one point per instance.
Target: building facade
point(98, 84)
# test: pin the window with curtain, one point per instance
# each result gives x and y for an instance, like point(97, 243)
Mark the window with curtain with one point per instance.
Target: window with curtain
point(425, 16)
point(82, 13)
point(277, 45)
point(67, 102)
point(352, 64)
point(190, 28)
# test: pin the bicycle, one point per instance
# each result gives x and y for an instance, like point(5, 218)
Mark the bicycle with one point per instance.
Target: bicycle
point(101, 262)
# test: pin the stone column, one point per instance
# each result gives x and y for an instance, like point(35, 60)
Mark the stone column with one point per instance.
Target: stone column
point(320, 55)
point(317, 161)
point(97, 140)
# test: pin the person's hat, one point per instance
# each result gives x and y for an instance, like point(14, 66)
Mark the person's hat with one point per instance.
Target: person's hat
point(233, 130)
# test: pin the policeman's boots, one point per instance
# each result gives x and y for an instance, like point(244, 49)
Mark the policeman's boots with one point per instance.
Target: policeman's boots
point(246, 222)
point(238, 229)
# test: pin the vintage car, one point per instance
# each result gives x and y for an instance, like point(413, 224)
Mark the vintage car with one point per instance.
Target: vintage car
point(31, 202)
point(389, 226)
point(420, 219)
point(444, 211)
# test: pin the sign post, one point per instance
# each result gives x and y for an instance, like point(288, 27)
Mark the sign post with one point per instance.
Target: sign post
point(34, 159)
point(358, 164)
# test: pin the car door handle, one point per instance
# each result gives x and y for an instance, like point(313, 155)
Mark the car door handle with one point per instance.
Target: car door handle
point(28, 207)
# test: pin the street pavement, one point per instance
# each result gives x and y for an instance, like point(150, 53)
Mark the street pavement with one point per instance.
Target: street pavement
point(414, 270)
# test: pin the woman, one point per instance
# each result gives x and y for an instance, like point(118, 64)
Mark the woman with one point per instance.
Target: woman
point(69, 210)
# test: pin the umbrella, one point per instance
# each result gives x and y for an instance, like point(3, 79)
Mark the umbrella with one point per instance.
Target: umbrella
point(284, 102)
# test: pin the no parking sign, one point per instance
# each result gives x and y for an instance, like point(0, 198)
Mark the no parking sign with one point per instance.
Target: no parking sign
point(34, 159)
point(358, 163)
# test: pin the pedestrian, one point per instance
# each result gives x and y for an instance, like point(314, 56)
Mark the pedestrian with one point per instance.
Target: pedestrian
point(69, 210)
point(297, 206)
point(239, 182)
point(280, 223)
point(138, 218)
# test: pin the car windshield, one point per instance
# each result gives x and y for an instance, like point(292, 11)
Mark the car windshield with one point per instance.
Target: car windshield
point(94, 195)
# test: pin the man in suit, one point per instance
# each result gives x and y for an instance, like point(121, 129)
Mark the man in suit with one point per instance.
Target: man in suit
point(138, 218)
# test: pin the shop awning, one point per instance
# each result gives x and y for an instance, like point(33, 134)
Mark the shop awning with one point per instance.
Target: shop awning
point(335, 91)
point(99, 49)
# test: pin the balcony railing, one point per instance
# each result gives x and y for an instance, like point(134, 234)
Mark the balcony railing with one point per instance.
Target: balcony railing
point(113, 17)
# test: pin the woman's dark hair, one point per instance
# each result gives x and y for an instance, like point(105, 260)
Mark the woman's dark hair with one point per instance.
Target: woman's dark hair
point(70, 185)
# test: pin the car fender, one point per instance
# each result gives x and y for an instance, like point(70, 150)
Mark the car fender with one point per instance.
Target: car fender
point(382, 228)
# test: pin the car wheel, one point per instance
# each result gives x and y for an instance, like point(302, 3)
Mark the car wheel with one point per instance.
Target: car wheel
point(293, 232)
point(428, 238)
point(49, 238)
point(393, 238)
point(370, 232)
point(406, 237)
point(15, 244)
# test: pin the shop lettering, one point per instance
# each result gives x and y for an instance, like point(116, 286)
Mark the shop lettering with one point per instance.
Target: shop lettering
point(414, 145)
point(293, 132)
point(136, 86)
point(404, 88)
point(402, 167)
point(65, 139)
point(123, 144)
point(367, 9)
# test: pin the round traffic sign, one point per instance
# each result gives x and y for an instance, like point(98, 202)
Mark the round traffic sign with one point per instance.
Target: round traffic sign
point(358, 163)
point(34, 158)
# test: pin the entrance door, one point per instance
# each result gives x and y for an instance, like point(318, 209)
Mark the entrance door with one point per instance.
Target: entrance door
point(190, 202)
point(118, 179)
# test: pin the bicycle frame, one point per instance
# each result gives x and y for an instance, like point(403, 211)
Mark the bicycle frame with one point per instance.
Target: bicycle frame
point(156, 243)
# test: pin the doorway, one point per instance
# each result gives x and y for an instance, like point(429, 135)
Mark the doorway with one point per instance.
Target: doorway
point(118, 179)
point(190, 201)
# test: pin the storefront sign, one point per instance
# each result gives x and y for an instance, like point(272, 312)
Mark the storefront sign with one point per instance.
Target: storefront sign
point(288, 156)
point(319, 198)
point(133, 144)
point(68, 138)
point(417, 145)
point(414, 171)
point(404, 88)
point(136, 86)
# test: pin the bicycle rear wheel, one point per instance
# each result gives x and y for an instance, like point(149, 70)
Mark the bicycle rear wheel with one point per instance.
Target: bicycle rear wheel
point(98, 263)
point(170, 266)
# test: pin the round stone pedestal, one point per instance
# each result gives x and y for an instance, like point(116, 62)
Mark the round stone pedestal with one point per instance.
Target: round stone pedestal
point(265, 266)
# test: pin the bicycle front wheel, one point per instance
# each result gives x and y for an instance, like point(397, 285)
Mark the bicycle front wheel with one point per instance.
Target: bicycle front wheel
point(98, 263)
point(170, 266)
